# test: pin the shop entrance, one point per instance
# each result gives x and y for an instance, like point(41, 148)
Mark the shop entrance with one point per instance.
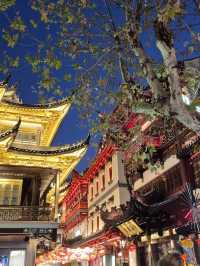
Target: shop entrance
point(10, 257)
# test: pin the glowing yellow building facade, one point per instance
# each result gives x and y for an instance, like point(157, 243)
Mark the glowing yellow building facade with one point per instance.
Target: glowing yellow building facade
point(28, 131)
point(32, 172)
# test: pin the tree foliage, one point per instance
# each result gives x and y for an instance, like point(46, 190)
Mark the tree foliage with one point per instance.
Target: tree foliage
point(109, 52)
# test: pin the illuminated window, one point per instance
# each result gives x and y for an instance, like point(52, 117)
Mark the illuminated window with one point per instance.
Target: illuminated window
point(10, 191)
point(103, 182)
point(28, 138)
point(17, 258)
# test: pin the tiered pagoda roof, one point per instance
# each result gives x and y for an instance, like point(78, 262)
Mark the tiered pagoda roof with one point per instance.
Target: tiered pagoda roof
point(42, 122)
point(50, 150)
point(46, 117)
point(62, 158)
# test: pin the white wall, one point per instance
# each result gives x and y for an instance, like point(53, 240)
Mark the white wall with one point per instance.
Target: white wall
point(117, 177)
point(149, 176)
point(115, 189)
point(118, 167)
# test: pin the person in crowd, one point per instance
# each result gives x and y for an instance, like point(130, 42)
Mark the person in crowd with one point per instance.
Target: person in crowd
point(172, 258)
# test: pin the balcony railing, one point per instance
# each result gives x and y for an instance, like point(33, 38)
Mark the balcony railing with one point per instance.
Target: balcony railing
point(149, 176)
point(25, 213)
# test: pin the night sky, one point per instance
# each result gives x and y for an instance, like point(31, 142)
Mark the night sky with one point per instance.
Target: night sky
point(72, 129)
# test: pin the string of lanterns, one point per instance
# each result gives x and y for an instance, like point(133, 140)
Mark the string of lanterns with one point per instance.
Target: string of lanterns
point(65, 255)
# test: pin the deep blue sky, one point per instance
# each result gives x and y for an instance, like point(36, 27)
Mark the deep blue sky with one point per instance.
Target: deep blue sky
point(72, 129)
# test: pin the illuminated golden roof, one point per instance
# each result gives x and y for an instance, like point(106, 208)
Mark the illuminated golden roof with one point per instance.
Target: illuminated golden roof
point(62, 158)
point(43, 119)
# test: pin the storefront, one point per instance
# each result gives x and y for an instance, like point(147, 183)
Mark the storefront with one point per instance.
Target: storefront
point(18, 252)
point(12, 257)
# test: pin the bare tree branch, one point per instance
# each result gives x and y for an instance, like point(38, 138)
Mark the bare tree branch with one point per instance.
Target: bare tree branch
point(138, 49)
point(122, 64)
point(178, 108)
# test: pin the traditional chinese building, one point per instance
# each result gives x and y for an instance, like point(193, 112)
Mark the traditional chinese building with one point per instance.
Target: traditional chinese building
point(32, 173)
point(138, 231)
point(74, 208)
point(107, 188)
point(162, 184)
